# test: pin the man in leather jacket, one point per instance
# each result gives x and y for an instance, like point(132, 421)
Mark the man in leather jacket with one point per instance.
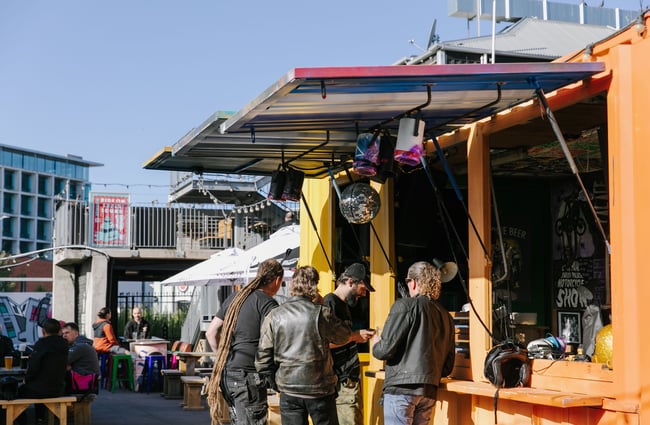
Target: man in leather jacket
point(417, 343)
point(294, 355)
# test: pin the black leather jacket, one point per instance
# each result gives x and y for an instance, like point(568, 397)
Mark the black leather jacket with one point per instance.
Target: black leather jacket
point(294, 348)
point(417, 342)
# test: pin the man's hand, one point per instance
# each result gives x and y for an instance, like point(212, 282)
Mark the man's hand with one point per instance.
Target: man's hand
point(362, 335)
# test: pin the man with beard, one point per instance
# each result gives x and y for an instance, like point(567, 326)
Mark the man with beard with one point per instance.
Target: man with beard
point(82, 357)
point(350, 286)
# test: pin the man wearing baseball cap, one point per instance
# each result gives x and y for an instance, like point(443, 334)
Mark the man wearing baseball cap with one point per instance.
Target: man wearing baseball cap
point(350, 286)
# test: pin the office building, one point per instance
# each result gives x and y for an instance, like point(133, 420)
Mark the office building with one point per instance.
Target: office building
point(30, 184)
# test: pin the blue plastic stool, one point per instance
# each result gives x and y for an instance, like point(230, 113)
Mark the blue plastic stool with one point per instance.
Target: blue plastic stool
point(162, 364)
point(103, 368)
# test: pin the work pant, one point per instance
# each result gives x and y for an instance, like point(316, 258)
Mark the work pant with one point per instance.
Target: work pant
point(245, 393)
point(296, 410)
point(404, 409)
point(348, 403)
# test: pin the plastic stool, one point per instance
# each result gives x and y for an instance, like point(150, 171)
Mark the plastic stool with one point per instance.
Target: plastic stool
point(162, 364)
point(103, 366)
point(114, 363)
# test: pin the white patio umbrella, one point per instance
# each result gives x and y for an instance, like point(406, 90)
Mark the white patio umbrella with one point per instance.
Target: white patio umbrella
point(205, 272)
point(283, 245)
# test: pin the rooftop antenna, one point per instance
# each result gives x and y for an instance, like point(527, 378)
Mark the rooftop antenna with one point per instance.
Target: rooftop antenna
point(433, 37)
point(413, 43)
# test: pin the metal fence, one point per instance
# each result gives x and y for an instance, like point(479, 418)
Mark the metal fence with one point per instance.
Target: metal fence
point(180, 227)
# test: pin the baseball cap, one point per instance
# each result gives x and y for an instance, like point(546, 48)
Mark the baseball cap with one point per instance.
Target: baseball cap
point(357, 271)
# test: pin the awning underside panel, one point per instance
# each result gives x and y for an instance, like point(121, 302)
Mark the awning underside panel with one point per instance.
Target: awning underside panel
point(312, 116)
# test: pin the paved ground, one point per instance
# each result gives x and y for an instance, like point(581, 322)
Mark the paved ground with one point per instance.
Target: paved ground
point(127, 408)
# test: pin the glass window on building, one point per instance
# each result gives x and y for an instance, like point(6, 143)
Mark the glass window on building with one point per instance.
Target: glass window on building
point(49, 166)
point(10, 180)
point(43, 230)
point(29, 161)
point(27, 205)
point(5, 157)
point(63, 168)
point(8, 246)
point(44, 207)
point(26, 246)
point(16, 160)
point(26, 231)
point(27, 183)
point(8, 227)
point(47, 255)
point(44, 186)
point(80, 172)
point(9, 203)
point(59, 186)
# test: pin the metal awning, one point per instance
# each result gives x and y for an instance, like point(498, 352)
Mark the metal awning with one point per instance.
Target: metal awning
point(310, 118)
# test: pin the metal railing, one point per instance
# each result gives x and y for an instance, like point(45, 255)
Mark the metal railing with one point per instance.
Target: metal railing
point(115, 225)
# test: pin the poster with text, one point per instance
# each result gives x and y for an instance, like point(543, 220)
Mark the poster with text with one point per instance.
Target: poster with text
point(110, 219)
point(579, 255)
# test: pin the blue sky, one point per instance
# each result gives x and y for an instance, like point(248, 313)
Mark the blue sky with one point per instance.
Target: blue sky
point(115, 81)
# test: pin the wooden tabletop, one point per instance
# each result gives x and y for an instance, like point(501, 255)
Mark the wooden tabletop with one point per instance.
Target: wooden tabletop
point(182, 354)
point(12, 371)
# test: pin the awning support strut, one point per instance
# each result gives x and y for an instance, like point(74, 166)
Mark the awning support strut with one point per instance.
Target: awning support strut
point(569, 158)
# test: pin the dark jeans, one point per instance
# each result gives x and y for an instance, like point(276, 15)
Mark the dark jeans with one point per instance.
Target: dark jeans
point(245, 393)
point(295, 410)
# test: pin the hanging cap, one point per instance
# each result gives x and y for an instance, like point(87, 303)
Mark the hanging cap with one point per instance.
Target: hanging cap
point(357, 271)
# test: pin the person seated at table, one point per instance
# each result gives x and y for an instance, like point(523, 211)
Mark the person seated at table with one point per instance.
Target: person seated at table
point(82, 357)
point(138, 327)
point(6, 346)
point(104, 339)
point(45, 376)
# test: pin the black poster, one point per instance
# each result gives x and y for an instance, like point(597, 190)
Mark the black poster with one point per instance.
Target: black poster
point(579, 266)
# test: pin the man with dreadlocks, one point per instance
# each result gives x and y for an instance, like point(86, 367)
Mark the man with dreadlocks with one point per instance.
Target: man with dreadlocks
point(294, 355)
point(234, 376)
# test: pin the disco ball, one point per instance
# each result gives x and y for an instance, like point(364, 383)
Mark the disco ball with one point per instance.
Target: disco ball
point(359, 203)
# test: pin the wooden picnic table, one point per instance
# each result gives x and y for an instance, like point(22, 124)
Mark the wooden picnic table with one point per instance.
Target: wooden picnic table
point(191, 357)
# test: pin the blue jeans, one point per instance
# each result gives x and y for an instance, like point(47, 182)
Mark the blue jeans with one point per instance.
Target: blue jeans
point(247, 392)
point(295, 410)
point(404, 409)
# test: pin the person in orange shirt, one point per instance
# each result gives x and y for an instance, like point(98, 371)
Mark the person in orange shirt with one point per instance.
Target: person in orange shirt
point(104, 339)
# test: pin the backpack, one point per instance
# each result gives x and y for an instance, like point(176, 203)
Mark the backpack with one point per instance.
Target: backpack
point(84, 384)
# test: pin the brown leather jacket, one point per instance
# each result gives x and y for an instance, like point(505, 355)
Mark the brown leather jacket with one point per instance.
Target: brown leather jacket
point(294, 348)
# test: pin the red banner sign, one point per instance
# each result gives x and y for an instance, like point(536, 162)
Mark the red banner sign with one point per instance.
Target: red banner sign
point(110, 219)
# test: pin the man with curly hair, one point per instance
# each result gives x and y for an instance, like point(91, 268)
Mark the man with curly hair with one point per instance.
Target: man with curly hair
point(294, 355)
point(417, 343)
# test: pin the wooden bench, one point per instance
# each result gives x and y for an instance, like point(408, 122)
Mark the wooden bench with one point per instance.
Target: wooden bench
point(81, 408)
point(202, 370)
point(58, 406)
point(192, 386)
point(172, 388)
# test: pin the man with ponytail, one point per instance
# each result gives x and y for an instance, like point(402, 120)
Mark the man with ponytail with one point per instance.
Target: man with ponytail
point(234, 335)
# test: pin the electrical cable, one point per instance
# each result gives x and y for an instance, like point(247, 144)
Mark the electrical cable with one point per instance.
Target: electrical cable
point(444, 215)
